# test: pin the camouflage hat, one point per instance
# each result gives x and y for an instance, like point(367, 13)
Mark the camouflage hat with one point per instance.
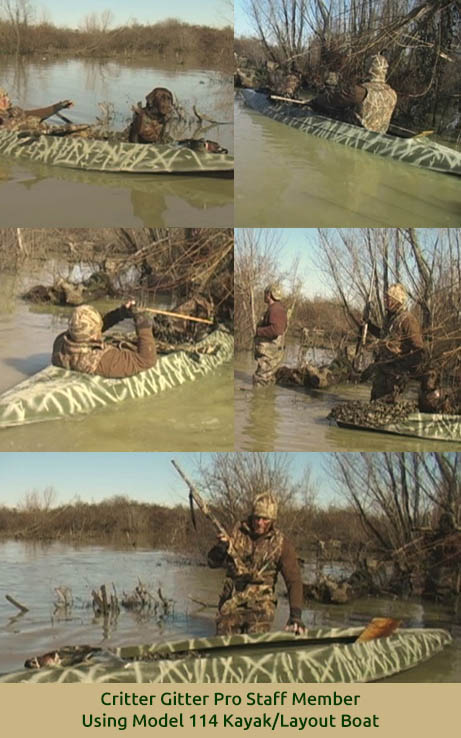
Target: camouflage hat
point(85, 324)
point(331, 80)
point(265, 506)
point(378, 68)
point(275, 291)
point(398, 293)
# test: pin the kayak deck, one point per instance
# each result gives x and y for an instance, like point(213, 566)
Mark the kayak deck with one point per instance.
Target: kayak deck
point(106, 156)
point(358, 415)
point(323, 655)
point(55, 393)
point(419, 152)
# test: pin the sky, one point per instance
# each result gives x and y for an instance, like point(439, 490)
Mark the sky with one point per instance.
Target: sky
point(202, 12)
point(242, 24)
point(145, 477)
point(302, 242)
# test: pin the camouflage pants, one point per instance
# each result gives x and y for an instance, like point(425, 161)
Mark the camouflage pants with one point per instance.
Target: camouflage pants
point(251, 617)
point(269, 355)
point(387, 386)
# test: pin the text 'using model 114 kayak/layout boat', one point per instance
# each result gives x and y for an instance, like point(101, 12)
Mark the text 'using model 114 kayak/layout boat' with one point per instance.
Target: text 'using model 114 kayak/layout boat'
point(55, 393)
point(76, 152)
point(323, 655)
point(418, 151)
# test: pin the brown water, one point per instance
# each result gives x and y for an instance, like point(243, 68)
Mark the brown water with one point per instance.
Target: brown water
point(287, 178)
point(295, 419)
point(30, 573)
point(196, 416)
point(35, 195)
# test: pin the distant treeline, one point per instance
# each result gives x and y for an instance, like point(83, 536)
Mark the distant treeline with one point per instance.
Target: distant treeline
point(128, 522)
point(170, 40)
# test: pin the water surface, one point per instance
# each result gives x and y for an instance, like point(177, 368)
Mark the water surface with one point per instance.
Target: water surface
point(30, 573)
point(36, 195)
point(287, 178)
point(279, 418)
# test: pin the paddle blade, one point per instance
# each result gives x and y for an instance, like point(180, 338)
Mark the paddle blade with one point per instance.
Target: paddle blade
point(378, 628)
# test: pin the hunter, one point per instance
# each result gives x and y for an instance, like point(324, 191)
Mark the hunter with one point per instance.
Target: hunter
point(368, 104)
point(82, 347)
point(400, 348)
point(269, 338)
point(14, 118)
point(248, 600)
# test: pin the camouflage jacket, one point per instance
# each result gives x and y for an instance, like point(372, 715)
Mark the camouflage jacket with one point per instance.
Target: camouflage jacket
point(103, 359)
point(375, 111)
point(265, 556)
point(402, 342)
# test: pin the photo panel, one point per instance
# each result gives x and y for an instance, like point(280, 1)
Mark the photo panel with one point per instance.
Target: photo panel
point(347, 339)
point(116, 339)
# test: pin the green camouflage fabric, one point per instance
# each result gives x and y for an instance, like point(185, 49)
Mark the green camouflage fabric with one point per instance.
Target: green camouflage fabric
point(375, 111)
point(78, 152)
point(248, 601)
point(269, 356)
point(419, 152)
point(271, 658)
point(56, 393)
point(401, 419)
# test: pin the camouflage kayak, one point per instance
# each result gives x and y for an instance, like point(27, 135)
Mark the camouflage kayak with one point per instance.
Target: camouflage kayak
point(55, 393)
point(324, 655)
point(402, 419)
point(420, 152)
point(106, 156)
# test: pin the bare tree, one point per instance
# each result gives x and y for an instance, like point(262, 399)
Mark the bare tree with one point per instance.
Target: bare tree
point(20, 14)
point(397, 494)
point(258, 257)
point(231, 481)
point(427, 262)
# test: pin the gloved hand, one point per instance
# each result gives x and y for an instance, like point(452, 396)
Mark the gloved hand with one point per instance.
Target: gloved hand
point(295, 624)
point(142, 319)
point(126, 310)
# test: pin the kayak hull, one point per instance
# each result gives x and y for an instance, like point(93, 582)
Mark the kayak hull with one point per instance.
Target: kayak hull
point(106, 156)
point(55, 393)
point(272, 657)
point(419, 152)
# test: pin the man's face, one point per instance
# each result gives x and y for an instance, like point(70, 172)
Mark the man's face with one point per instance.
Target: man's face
point(391, 304)
point(267, 297)
point(260, 525)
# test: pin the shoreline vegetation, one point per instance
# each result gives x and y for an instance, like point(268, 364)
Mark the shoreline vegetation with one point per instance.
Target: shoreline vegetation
point(396, 528)
point(170, 40)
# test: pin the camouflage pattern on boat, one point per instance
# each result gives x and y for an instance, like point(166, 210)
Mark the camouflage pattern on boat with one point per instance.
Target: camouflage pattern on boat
point(419, 152)
point(401, 419)
point(55, 393)
point(76, 152)
point(270, 657)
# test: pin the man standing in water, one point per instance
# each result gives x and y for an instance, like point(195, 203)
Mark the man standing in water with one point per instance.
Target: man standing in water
point(368, 104)
point(269, 338)
point(253, 555)
point(400, 350)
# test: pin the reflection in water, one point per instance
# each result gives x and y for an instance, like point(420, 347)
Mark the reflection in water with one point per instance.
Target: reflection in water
point(35, 195)
point(35, 574)
point(311, 182)
point(297, 419)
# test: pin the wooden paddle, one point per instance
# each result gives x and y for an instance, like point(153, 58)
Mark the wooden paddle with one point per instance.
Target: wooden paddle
point(378, 628)
point(179, 316)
